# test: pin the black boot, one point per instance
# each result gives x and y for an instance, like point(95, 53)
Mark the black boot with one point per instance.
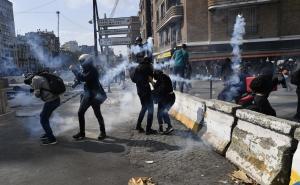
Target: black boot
point(79, 136)
point(102, 136)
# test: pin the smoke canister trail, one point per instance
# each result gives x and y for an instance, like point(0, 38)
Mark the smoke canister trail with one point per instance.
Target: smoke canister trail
point(236, 42)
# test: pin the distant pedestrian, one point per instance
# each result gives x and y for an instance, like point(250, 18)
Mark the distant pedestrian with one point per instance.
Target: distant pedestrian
point(165, 97)
point(181, 58)
point(44, 89)
point(141, 76)
point(93, 95)
point(295, 80)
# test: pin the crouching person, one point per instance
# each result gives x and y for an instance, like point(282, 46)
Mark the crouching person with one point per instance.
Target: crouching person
point(165, 97)
point(93, 95)
point(261, 86)
point(43, 87)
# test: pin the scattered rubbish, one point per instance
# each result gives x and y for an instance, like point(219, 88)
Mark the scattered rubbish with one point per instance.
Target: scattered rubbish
point(223, 182)
point(240, 176)
point(149, 162)
point(141, 181)
point(202, 175)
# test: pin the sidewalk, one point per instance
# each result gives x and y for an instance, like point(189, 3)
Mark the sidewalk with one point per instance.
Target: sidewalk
point(179, 159)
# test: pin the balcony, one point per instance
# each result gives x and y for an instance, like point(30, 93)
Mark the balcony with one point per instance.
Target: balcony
point(214, 4)
point(173, 14)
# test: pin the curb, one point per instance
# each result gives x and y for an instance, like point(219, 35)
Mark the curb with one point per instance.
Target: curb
point(8, 115)
point(192, 125)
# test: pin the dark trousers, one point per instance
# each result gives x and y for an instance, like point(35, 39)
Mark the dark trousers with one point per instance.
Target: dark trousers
point(298, 105)
point(85, 103)
point(163, 110)
point(47, 111)
point(179, 72)
point(147, 105)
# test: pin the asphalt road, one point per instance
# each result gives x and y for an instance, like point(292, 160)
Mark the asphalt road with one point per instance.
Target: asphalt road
point(178, 159)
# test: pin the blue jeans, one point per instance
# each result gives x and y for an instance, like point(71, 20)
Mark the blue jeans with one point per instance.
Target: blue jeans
point(48, 108)
point(179, 72)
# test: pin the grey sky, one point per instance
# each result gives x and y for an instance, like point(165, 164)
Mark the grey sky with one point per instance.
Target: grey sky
point(31, 15)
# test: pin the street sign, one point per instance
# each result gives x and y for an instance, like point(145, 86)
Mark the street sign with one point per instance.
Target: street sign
point(114, 31)
point(122, 21)
point(115, 41)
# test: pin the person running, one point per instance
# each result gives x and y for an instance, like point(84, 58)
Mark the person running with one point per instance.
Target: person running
point(93, 95)
point(41, 89)
point(165, 97)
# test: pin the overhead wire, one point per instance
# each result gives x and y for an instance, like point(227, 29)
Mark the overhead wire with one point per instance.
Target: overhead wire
point(73, 22)
point(37, 7)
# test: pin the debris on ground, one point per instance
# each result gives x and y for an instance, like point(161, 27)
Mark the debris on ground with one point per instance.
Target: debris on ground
point(141, 181)
point(149, 162)
point(241, 177)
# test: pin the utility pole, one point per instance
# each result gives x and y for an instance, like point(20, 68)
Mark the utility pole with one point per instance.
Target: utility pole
point(95, 28)
point(58, 12)
point(107, 54)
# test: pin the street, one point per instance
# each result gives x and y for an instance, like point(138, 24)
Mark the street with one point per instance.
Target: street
point(178, 159)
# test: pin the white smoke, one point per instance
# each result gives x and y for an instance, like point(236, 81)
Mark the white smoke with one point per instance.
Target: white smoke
point(147, 47)
point(24, 100)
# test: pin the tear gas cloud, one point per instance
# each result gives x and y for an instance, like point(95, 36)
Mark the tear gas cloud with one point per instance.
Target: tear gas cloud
point(147, 47)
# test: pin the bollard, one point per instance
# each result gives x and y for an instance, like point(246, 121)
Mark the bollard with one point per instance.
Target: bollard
point(210, 87)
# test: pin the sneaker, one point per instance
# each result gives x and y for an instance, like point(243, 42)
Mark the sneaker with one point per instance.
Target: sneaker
point(140, 129)
point(102, 136)
point(79, 136)
point(161, 129)
point(49, 142)
point(151, 132)
point(169, 130)
point(44, 137)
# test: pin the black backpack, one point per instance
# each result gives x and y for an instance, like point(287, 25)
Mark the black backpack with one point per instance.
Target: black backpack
point(295, 77)
point(56, 84)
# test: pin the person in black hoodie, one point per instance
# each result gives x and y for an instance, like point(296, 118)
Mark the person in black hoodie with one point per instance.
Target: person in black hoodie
point(165, 97)
point(93, 95)
point(261, 86)
point(142, 76)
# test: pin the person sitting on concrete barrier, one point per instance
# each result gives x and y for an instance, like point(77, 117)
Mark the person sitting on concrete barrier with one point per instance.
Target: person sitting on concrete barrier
point(42, 89)
point(93, 95)
point(261, 87)
point(165, 97)
point(141, 76)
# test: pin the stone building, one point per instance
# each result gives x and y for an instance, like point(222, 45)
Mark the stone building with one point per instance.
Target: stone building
point(272, 28)
point(36, 50)
point(145, 15)
point(7, 38)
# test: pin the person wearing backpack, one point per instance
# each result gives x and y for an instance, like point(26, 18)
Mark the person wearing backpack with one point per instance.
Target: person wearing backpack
point(93, 95)
point(295, 80)
point(180, 57)
point(43, 84)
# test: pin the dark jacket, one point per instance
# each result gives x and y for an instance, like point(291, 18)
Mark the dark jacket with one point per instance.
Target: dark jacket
point(162, 88)
point(90, 76)
point(262, 105)
point(141, 78)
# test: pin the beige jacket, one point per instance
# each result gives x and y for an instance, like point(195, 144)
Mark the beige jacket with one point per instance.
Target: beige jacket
point(38, 84)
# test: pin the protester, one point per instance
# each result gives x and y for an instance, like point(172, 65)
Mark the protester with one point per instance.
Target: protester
point(93, 95)
point(286, 77)
point(188, 75)
point(295, 80)
point(261, 89)
point(165, 97)
point(42, 89)
point(181, 58)
point(142, 76)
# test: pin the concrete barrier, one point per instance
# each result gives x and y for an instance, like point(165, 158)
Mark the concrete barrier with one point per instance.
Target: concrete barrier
point(262, 146)
point(295, 172)
point(189, 110)
point(218, 124)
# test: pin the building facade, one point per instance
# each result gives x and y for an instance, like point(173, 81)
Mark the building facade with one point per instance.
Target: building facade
point(145, 15)
point(7, 38)
point(206, 26)
point(36, 50)
point(71, 46)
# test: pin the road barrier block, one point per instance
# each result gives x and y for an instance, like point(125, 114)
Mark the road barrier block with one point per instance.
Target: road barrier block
point(217, 129)
point(189, 110)
point(262, 146)
point(295, 172)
